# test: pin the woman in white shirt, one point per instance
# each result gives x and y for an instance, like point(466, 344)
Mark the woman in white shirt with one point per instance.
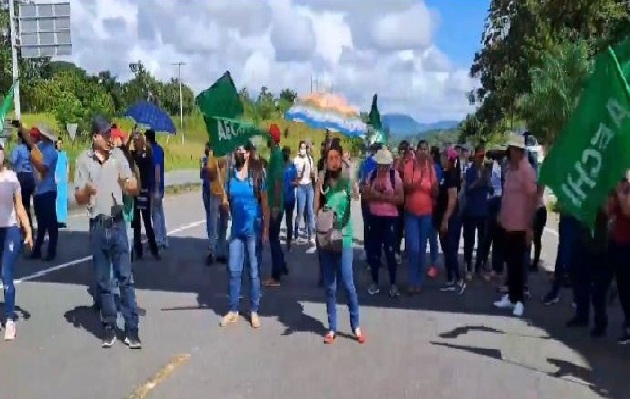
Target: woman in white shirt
point(305, 192)
point(11, 210)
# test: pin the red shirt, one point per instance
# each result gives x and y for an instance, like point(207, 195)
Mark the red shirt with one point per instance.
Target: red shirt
point(621, 226)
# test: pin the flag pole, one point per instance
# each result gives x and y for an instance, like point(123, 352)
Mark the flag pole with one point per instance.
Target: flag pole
point(14, 59)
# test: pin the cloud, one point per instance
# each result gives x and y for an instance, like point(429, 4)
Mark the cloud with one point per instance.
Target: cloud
point(358, 47)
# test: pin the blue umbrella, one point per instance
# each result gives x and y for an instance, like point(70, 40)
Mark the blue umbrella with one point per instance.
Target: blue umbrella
point(146, 113)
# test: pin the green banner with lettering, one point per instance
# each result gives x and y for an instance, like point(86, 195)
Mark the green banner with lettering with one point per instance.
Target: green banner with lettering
point(592, 152)
point(227, 134)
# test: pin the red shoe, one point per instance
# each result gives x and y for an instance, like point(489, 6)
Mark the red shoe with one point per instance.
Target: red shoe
point(359, 335)
point(433, 272)
point(330, 338)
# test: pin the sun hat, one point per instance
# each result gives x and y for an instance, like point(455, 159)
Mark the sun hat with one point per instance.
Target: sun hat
point(47, 132)
point(383, 157)
point(516, 141)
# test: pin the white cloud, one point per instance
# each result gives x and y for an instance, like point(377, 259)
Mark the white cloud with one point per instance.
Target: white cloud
point(360, 47)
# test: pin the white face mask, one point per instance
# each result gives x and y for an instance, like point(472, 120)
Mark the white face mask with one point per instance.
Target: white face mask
point(302, 151)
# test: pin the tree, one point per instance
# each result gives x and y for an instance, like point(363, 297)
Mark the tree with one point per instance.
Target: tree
point(265, 105)
point(288, 95)
point(556, 89)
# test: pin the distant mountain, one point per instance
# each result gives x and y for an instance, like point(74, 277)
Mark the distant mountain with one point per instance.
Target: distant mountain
point(400, 125)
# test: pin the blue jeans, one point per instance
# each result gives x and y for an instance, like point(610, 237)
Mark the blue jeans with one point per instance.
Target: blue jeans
point(211, 204)
point(109, 245)
point(365, 213)
point(592, 274)
point(10, 246)
point(383, 233)
point(277, 256)
point(159, 222)
point(289, 208)
point(240, 251)
point(417, 231)
point(450, 248)
point(434, 250)
point(332, 263)
point(46, 217)
point(474, 224)
point(304, 195)
point(568, 229)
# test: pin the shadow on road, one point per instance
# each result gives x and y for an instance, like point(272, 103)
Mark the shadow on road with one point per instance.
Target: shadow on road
point(182, 270)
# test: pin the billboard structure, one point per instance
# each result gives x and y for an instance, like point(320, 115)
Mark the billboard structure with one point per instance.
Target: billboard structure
point(44, 29)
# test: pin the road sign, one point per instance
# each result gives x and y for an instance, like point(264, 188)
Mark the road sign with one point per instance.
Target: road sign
point(44, 30)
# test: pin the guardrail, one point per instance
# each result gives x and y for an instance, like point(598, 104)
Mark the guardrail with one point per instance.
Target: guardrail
point(172, 178)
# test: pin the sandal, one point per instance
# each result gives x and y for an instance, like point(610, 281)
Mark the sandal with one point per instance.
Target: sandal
point(360, 337)
point(330, 337)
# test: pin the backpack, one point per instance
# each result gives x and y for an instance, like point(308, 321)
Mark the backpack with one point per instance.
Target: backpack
point(329, 229)
point(392, 177)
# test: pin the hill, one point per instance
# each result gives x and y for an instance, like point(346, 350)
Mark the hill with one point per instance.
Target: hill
point(401, 125)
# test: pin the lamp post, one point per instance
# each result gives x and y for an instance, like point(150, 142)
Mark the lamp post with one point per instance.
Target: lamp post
point(14, 59)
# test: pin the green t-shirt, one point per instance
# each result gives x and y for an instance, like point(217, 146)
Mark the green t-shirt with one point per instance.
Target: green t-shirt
point(275, 173)
point(338, 199)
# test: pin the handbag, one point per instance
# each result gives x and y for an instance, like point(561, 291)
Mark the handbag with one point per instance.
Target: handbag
point(329, 230)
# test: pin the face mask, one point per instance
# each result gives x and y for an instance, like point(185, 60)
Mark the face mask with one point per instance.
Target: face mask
point(302, 152)
point(239, 160)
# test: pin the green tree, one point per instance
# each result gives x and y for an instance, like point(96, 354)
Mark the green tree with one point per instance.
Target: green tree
point(288, 95)
point(556, 88)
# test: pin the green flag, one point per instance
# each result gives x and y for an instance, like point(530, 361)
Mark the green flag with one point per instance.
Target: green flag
point(222, 108)
point(374, 117)
point(592, 152)
point(7, 104)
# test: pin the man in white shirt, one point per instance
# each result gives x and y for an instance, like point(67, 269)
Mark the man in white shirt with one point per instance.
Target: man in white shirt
point(305, 192)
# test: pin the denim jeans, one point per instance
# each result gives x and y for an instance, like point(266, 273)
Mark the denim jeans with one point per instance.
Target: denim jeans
point(332, 263)
point(289, 208)
point(10, 246)
point(212, 205)
point(450, 248)
point(240, 253)
point(159, 222)
point(568, 228)
point(304, 195)
point(383, 233)
point(417, 231)
point(46, 217)
point(109, 245)
point(277, 256)
point(222, 228)
point(592, 273)
point(472, 225)
point(492, 237)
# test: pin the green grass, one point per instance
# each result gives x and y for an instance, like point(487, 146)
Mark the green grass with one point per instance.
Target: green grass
point(182, 154)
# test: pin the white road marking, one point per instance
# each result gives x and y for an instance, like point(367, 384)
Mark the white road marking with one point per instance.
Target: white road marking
point(551, 231)
point(77, 261)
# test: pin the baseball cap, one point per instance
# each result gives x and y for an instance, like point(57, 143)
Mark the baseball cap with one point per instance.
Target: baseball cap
point(100, 125)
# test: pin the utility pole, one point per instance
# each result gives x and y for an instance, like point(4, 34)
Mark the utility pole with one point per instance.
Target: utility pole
point(181, 98)
point(14, 59)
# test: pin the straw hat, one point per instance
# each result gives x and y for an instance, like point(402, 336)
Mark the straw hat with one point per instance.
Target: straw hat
point(45, 131)
point(383, 157)
point(516, 141)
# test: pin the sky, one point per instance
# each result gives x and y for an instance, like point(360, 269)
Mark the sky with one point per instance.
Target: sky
point(415, 54)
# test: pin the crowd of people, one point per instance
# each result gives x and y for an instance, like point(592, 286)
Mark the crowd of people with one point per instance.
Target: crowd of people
point(410, 200)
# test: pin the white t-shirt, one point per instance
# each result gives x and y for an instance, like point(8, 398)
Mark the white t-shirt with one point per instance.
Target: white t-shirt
point(9, 187)
point(304, 166)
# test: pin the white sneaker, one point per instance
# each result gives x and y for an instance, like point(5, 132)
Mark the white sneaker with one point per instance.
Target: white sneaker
point(9, 330)
point(519, 308)
point(504, 302)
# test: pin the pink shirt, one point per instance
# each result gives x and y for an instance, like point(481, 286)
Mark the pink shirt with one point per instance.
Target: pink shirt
point(518, 191)
point(383, 183)
point(418, 201)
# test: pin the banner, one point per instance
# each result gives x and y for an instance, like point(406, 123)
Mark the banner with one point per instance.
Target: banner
point(7, 104)
point(592, 153)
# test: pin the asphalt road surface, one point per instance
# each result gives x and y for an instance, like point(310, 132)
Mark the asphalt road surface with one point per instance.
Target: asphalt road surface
point(436, 345)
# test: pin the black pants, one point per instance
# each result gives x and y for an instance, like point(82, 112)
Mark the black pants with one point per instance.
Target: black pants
point(143, 211)
point(289, 208)
point(514, 249)
point(46, 216)
point(540, 221)
point(490, 237)
point(383, 239)
point(472, 225)
point(592, 274)
point(400, 229)
point(620, 259)
point(27, 186)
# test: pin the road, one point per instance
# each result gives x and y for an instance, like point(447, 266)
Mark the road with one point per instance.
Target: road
point(433, 346)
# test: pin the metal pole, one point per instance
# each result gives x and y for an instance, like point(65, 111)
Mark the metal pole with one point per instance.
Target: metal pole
point(14, 59)
point(181, 98)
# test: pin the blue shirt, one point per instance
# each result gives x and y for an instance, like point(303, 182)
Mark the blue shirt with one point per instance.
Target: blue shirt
point(438, 171)
point(46, 183)
point(158, 160)
point(20, 160)
point(244, 206)
point(477, 197)
point(290, 175)
point(367, 168)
